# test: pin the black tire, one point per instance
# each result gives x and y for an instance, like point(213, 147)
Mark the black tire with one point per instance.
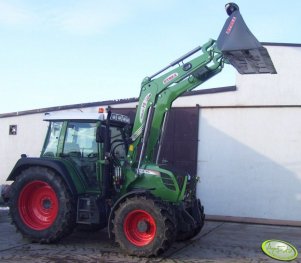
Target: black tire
point(41, 207)
point(199, 217)
point(144, 226)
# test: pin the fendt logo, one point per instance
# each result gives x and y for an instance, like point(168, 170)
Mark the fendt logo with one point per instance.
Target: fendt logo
point(231, 25)
point(143, 106)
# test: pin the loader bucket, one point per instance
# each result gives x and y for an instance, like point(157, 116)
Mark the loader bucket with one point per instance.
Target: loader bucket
point(241, 48)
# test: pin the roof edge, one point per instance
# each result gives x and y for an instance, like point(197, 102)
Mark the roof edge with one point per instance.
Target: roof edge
point(110, 102)
point(281, 44)
point(68, 107)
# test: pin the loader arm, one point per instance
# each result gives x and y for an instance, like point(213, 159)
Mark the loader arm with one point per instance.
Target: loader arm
point(158, 93)
point(235, 45)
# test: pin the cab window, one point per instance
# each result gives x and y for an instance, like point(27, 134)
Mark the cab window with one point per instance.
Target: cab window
point(52, 139)
point(117, 143)
point(80, 140)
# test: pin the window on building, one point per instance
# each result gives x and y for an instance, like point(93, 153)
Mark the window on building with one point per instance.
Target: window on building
point(12, 129)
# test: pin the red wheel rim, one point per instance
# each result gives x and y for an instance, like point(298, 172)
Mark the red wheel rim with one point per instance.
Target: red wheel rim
point(38, 205)
point(139, 228)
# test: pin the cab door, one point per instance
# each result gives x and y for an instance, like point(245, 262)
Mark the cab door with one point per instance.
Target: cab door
point(81, 149)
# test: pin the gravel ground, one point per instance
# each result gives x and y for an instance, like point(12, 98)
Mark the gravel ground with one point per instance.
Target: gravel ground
point(218, 242)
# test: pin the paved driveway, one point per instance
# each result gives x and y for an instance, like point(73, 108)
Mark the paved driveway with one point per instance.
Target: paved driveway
point(218, 242)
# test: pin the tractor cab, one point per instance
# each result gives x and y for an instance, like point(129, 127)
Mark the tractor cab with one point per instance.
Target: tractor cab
point(83, 140)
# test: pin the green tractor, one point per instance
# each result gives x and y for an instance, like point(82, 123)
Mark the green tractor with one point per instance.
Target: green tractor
point(100, 170)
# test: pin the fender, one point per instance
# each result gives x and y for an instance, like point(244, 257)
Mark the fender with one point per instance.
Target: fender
point(120, 200)
point(55, 165)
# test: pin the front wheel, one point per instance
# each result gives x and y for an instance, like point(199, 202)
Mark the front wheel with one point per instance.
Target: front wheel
point(40, 205)
point(144, 226)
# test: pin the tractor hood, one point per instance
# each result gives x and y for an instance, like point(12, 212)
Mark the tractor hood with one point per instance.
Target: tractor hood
point(241, 48)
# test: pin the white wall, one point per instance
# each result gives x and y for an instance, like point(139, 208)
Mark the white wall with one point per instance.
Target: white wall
point(249, 159)
point(29, 139)
point(249, 162)
point(282, 88)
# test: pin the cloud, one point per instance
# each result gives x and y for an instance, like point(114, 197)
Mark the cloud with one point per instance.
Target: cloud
point(13, 14)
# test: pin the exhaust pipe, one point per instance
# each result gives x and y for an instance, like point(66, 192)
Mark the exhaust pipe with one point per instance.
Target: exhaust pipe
point(240, 47)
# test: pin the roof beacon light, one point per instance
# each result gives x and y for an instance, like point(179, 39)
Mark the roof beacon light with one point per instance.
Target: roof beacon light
point(101, 110)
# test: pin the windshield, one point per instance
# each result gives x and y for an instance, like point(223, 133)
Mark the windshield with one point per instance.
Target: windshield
point(80, 140)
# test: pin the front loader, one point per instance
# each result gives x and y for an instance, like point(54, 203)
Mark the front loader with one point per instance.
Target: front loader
point(100, 170)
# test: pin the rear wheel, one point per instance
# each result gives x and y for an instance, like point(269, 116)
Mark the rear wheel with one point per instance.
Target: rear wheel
point(144, 226)
point(40, 205)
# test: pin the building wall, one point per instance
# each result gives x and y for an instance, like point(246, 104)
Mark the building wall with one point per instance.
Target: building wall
point(29, 139)
point(278, 89)
point(249, 144)
point(249, 159)
point(249, 162)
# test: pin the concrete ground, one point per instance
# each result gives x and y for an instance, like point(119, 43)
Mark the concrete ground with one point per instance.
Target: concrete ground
point(218, 242)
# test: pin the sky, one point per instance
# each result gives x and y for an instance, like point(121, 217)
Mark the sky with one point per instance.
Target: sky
point(55, 52)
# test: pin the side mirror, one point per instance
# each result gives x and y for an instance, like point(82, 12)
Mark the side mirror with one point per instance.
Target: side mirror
point(100, 134)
